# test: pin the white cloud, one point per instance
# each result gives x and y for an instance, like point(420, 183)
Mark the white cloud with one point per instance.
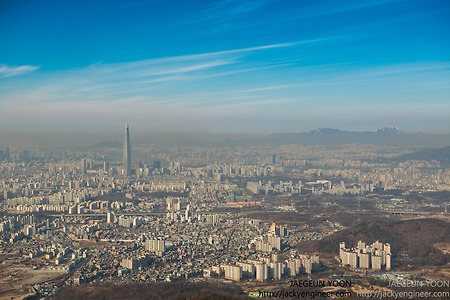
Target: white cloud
point(187, 69)
point(6, 71)
point(167, 75)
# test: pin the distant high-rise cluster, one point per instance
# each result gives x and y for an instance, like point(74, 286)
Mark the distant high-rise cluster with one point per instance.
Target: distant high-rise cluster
point(267, 268)
point(156, 245)
point(375, 256)
point(268, 243)
point(126, 152)
point(134, 263)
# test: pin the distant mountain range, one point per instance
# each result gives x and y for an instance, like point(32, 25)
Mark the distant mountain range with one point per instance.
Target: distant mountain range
point(386, 130)
point(388, 136)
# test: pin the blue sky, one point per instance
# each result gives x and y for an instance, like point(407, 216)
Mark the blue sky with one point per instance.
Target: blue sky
point(251, 66)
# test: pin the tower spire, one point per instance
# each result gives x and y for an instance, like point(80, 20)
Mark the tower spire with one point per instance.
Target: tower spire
point(126, 152)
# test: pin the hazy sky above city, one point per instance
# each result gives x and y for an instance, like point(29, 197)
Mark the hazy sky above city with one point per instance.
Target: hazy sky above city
point(262, 66)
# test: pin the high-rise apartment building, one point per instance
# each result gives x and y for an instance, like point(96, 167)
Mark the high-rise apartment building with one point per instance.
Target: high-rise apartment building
point(156, 245)
point(233, 272)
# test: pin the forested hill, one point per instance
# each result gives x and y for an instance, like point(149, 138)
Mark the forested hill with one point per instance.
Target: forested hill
point(416, 238)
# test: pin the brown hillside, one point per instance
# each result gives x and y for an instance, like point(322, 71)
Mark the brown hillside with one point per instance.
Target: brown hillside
point(414, 237)
point(154, 291)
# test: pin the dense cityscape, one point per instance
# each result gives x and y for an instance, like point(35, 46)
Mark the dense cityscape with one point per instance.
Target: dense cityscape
point(222, 214)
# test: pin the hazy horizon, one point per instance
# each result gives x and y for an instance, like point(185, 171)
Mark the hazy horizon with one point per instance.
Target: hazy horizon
point(66, 138)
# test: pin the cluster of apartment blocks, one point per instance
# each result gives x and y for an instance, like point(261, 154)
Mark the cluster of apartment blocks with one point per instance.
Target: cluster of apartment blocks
point(218, 172)
point(266, 268)
point(153, 245)
point(64, 201)
point(318, 187)
point(59, 254)
point(75, 201)
point(270, 241)
point(39, 243)
point(16, 222)
point(69, 173)
point(415, 173)
point(375, 256)
point(19, 226)
point(125, 221)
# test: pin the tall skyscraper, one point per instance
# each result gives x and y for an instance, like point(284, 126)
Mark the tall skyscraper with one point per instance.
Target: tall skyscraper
point(126, 152)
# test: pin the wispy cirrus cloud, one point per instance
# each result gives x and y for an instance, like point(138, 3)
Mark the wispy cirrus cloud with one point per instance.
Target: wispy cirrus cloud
point(207, 55)
point(188, 68)
point(217, 84)
point(6, 71)
point(162, 76)
point(183, 79)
